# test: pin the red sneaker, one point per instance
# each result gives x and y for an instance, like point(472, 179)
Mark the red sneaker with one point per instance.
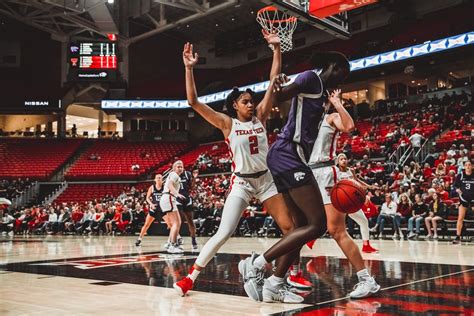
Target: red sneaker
point(183, 286)
point(299, 281)
point(368, 249)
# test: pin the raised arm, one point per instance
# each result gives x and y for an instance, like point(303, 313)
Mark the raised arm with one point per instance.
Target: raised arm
point(219, 120)
point(343, 122)
point(265, 106)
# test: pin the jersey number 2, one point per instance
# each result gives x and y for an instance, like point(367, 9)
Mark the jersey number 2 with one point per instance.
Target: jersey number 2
point(253, 145)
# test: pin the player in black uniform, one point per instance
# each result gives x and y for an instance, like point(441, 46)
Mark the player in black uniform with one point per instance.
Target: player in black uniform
point(155, 191)
point(464, 185)
point(185, 206)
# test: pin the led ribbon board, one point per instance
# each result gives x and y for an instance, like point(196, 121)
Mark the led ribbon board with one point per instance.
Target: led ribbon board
point(358, 64)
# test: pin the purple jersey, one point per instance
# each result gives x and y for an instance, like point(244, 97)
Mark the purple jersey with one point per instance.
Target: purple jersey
point(306, 113)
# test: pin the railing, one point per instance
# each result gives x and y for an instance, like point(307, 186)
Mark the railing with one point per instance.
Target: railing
point(409, 152)
point(30, 193)
point(424, 151)
point(53, 196)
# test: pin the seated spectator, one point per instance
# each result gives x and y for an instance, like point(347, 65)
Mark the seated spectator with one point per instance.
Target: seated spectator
point(420, 210)
point(404, 208)
point(437, 212)
point(6, 222)
point(440, 170)
point(461, 160)
point(452, 151)
point(387, 212)
point(135, 167)
point(64, 217)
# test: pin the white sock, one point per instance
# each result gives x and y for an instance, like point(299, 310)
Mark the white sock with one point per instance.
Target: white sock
point(260, 261)
point(193, 274)
point(295, 269)
point(363, 275)
point(140, 238)
point(275, 281)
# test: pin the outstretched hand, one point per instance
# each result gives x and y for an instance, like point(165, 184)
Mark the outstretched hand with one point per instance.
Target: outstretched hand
point(189, 59)
point(271, 37)
point(335, 97)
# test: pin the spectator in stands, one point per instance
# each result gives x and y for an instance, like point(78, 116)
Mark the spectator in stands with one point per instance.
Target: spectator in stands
point(404, 209)
point(387, 212)
point(437, 212)
point(462, 159)
point(107, 221)
point(74, 130)
point(420, 210)
point(126, 218)
point(50, 225)
point(449, 160)
point(96, 221)
point(85, 221)
point(416, 141)
point(452, 151)
point(440, 170)
point(63, 218)
point(6, 222)
point(462, 149)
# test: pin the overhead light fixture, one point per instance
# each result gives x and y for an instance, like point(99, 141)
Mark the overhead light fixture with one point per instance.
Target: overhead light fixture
point(413, 81)
point(110, 1)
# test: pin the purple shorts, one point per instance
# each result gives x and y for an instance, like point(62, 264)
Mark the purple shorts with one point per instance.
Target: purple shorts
point(287, 169)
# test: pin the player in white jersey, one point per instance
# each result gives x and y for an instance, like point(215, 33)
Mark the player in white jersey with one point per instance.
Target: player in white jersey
point(326, 174)
point(168, 205)
point(245, 134)
point(344, 172)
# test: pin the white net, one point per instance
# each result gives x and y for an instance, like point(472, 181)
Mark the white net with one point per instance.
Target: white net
point(271, 20)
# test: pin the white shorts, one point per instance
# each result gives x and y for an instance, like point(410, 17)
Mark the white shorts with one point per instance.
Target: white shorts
point(168, 203)
point(326, 177)
point(261, 188)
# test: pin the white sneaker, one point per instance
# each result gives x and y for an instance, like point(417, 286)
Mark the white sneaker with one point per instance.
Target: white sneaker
point(279, 293)
point(365, 288)
point(195, 247)
point(174, 249)
point(411, 235)
point(253, 277)
point(167, 245)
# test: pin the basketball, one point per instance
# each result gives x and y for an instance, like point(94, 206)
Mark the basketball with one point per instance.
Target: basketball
point(347, 196)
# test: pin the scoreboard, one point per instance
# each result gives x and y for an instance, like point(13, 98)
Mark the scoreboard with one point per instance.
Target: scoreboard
point(92, 61)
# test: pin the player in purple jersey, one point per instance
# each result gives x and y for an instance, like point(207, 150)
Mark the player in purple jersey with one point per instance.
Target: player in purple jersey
point(288, 163)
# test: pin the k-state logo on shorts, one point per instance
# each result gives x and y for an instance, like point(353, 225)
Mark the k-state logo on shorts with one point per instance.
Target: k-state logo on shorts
point(299, 176)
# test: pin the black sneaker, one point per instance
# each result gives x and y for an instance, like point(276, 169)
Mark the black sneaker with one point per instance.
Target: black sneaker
point(456, 241)
point(138, 242)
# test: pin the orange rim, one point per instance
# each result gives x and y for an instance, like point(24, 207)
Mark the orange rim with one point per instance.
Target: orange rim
point(272, 8)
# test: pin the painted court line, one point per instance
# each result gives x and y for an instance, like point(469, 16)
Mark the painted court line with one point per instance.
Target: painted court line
point(399, 285)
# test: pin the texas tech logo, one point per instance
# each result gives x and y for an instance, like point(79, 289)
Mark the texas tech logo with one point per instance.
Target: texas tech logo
point(87, 264)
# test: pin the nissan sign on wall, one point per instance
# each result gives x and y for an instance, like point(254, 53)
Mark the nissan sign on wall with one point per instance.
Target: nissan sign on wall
point(42, 104)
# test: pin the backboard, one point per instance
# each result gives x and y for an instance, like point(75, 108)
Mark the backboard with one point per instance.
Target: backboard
point(337, 25)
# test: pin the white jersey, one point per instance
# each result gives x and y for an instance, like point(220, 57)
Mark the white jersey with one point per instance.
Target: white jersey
point(174, 179)
point(248, 146)
point(342, 175)
point(325, 146)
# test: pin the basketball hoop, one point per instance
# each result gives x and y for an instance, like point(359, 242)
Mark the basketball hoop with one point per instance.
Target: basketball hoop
point(271, 20)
